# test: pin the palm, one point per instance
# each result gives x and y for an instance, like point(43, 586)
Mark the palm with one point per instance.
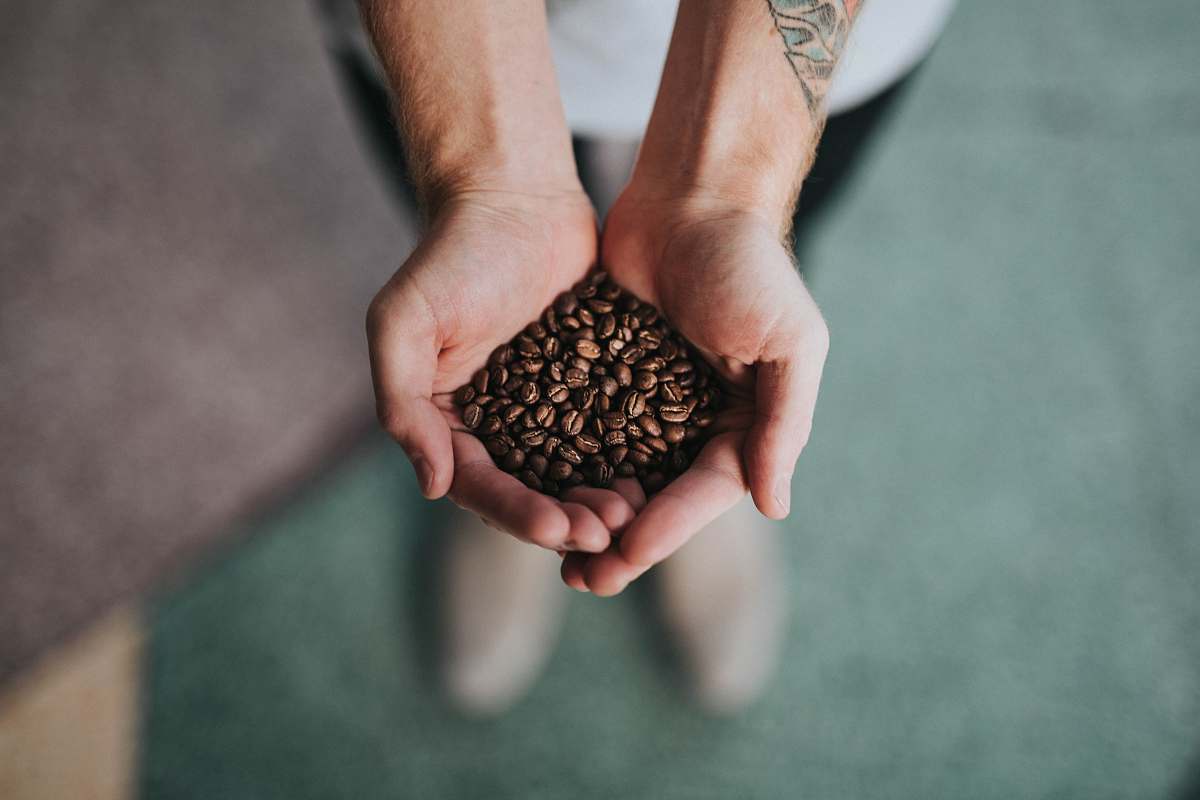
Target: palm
point(726, 282)
point(482, 273)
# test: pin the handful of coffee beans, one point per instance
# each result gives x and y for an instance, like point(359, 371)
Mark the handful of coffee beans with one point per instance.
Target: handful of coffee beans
point(598, 387)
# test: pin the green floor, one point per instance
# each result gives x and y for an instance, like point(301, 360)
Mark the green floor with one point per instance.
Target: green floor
point(996, 538)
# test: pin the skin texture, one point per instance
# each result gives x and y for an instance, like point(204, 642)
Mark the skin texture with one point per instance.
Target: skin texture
point(700, 231)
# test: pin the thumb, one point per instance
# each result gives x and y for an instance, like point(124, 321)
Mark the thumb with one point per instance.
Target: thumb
point(785, 399)
point(404, 348)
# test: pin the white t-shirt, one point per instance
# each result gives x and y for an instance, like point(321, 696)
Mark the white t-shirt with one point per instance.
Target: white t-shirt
point(609, 56)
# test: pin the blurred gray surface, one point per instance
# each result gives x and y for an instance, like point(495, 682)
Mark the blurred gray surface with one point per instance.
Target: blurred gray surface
point(189, 234)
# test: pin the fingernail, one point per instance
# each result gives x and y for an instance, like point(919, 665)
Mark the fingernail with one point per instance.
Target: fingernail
point(783, 493)
point(424, 474)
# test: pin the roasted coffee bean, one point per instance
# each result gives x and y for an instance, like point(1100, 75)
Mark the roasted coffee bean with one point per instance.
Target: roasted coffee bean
point(535, 330)
point(532, 366)
point(617, 454)
point(543, 415)
point(614, 438)
point(585, 316)
point(673, 412)
point(570, 323)
point(550, 446)
point(526, 346)
point(575, 478)
point(571, 423)
point(496, 446)
point(678, 460)
point(648, 315)
point(625, 469)
point(560, 470)
point(558, 392)
point(533, 437)
point(584, 398)
point(640, 446)
point(632, 355)
point(536, 462)
point(633, 430)
point(575, 378)
point(501, 355)
point(529, 392)
point(569, 454)
point(513, 413)
point(602, 475)
point(597, 428)
point(637, 458)
point(633, 404)
point(555, 371)
point(651, 364)
point(703, 418)
point(614, 420)
point(656, 444)
point(464, 394)
point(480, 381)
point(605, 326)
point(566, 303)
point(623, 374)
point(550, 487)
point(586, 443)
point(530, 479)
point(491, 424)
point(609, 385)
point(672, 432)
point(483, 400)
point(650, 425)
point(551, 347)
point(650, 340)
point(514, 459)
point(645, 381)
point(670, 391)
point(472, 415)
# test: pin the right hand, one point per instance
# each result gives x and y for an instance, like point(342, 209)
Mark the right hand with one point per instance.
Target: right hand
point(490, 263)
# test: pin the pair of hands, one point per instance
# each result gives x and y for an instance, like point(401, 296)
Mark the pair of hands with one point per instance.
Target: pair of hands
point(494, 259)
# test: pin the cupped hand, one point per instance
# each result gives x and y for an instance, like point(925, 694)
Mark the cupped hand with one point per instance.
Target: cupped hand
point(490, 262)
point(726, 281)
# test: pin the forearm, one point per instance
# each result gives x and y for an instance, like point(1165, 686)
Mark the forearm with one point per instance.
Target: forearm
point(740, 106)
point(475, 95)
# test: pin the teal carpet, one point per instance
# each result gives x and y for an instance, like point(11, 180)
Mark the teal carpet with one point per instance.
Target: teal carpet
point(996, 537)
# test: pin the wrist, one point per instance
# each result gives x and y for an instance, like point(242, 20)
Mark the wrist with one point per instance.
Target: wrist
point(691, 194)
point(498, 174)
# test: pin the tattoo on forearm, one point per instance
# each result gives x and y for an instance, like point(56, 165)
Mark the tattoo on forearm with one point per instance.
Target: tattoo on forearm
point(814, 33)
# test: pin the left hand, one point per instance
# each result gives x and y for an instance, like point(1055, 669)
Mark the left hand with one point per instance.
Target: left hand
point(723, 277)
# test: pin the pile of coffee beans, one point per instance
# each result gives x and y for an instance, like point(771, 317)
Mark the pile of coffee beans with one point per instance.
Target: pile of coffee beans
point(598, 387)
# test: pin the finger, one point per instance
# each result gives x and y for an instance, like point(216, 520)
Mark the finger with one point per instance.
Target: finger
point(632, 491)
point(785, 399)
point(612, 508)
point(403, 347)
point(713, 484)
point(587, 534)
point(572, 571)
point(480, 486)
